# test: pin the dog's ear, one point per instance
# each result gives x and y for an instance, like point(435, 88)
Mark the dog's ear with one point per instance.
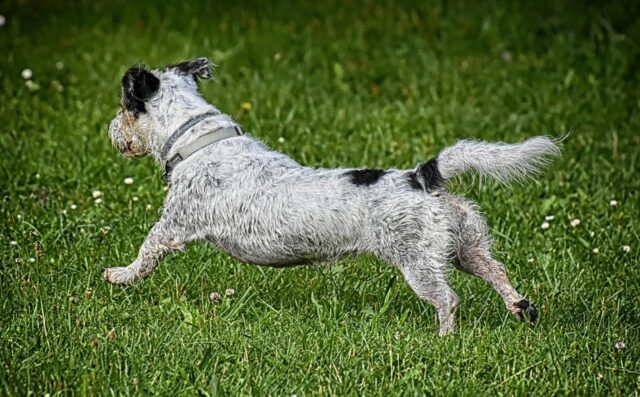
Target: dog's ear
point(197, 68)
point(138, 86)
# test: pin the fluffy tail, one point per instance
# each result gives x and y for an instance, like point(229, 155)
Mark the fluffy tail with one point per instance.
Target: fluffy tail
point(503, 162)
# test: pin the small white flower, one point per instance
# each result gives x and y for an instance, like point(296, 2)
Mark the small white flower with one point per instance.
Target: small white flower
point(592, 234)
point(59, 65)
point(613, 203)
point(545, 225)
point(620, 345)
point(600, 376)
point(19, 216)
point(281, 140)
point(549, 218)
point(626, 248)
point(595, 250)
point(18, 260)
point(37, 176)
point(148, 206)
point(26, 74)
point(530, 260)
point(128, 180)
point(165, 188)
point(575, 222)
point(134, 198)
point(31, 85)
point(214, 296)
point(96, 193)
point(230, 292)
point(3, 20)
point(32, 260)
point(13, 242)
point(64, 212)
point(98, 201)
point(73, 206)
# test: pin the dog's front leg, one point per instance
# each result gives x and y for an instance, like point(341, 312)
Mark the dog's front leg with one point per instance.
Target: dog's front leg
point(164, 238)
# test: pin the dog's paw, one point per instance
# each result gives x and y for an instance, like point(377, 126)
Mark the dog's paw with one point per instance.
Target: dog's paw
point(118, 275)
point(523, 309)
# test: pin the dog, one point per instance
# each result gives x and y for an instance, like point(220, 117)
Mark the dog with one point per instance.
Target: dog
point(262, 207)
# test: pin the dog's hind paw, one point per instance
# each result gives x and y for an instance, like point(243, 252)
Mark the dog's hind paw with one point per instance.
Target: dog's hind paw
point(523, 309)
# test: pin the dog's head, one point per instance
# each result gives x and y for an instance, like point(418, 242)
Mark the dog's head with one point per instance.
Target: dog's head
point(152, 100)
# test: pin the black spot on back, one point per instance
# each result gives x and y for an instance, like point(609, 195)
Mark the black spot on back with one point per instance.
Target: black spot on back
point(365, 177)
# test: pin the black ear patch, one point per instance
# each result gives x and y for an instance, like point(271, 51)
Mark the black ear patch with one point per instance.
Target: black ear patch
point(196, 68)
point(138, 86)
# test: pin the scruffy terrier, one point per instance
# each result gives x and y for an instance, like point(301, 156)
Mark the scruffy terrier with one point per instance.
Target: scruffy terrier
point(262, 207)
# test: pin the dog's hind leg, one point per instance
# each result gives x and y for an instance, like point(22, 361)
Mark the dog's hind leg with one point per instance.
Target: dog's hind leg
point(474, 256)
point(429, 281)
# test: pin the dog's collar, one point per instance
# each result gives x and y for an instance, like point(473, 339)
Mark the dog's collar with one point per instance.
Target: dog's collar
point(199, 143)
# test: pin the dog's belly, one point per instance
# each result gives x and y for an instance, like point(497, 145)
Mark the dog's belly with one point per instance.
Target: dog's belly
point(278, 249)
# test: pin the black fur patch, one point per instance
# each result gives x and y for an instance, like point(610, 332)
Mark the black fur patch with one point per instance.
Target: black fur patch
point(195, 68)
point(430, 175)
point(413, 181)
point(138, 86)
point(365, 177)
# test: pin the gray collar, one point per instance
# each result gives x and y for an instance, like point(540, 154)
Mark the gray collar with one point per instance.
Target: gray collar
point(199, 143)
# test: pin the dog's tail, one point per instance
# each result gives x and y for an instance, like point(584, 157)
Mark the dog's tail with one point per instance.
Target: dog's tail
point(503, 162)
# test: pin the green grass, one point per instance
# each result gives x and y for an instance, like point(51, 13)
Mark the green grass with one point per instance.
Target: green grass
point(345, 84)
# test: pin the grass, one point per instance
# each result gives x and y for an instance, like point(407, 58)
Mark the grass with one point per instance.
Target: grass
point(345, 84)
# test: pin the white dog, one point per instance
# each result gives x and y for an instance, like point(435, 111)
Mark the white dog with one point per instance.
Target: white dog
point(262, 207)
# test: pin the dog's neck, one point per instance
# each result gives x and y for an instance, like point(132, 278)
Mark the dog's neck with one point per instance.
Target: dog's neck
point(167, 124)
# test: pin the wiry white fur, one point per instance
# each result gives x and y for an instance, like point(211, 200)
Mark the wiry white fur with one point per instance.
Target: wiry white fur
point(262, 207)
point(501, 161)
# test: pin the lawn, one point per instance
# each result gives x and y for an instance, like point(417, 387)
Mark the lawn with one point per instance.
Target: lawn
point(330, 84)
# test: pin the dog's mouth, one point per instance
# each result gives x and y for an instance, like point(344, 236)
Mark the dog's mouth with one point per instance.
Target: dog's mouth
point(129, 150)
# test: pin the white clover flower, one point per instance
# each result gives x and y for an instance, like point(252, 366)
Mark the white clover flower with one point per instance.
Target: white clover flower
point(281, 140)
point(530, 260)
point(230, 292)
point(595, 250)
point(13, 242)
point(214, 296)
point(626, 248)
point(128, 180)
point(549, 218)
point(620, 345)
point(59, 65)
point(96, 193)
point(148, 206)
point(73, 206)
point(26, 74)
point(575, 222)
point(98, 201)
point(64, 212)
point(545, 225)
point(134, 198)
point(37, 176)
point(32, 260)
point(613, 203)
point(19, 216)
